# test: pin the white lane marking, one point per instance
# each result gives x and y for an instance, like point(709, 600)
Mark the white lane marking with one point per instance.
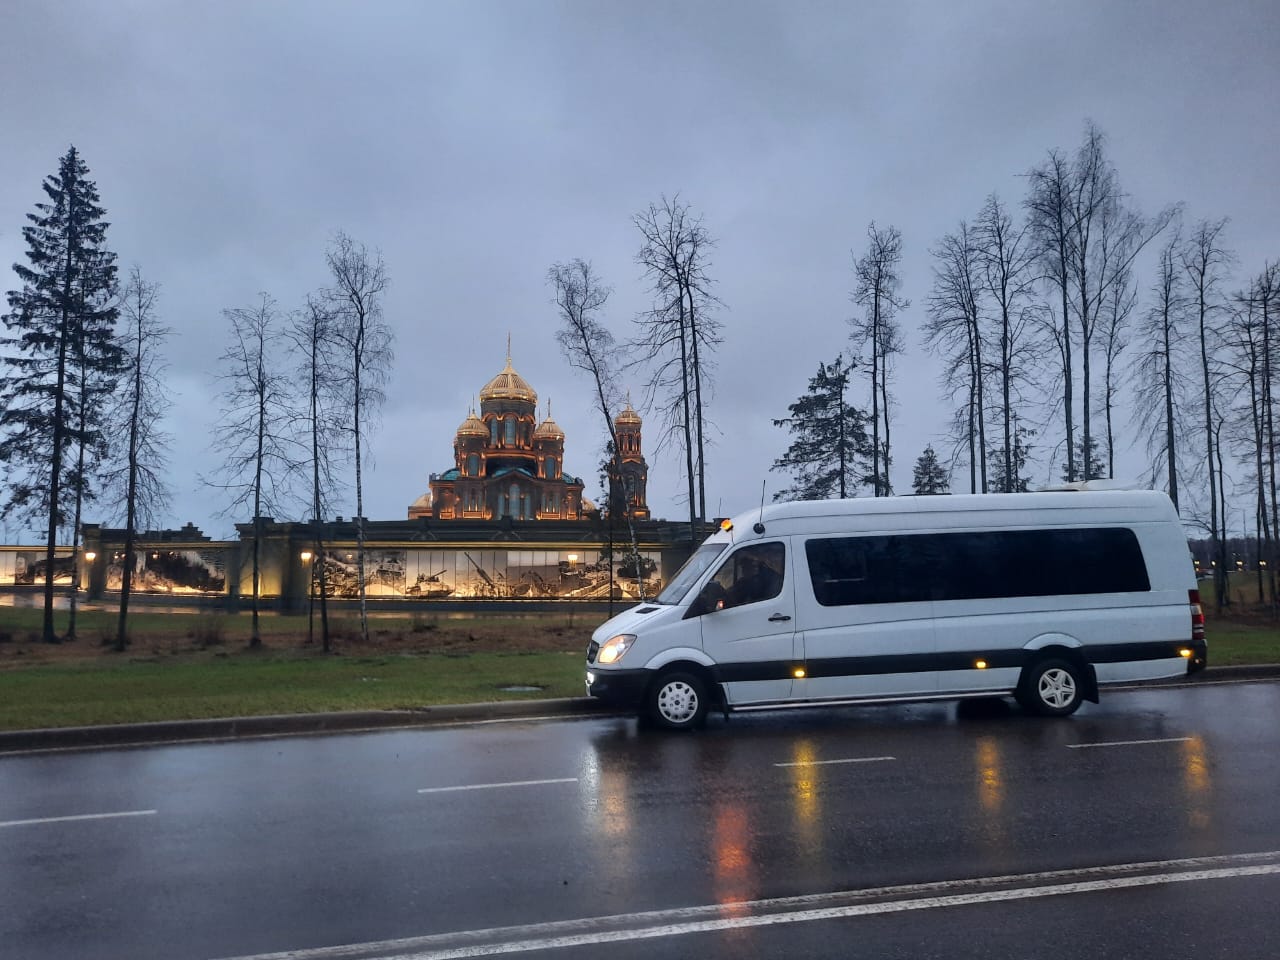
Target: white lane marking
point(819, 763)
point(491, 786)
point(1126, 743)
point(589, 929)
point(832, 913)
point(81, 816)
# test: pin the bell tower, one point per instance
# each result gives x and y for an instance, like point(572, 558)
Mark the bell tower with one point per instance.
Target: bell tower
point(635, 471)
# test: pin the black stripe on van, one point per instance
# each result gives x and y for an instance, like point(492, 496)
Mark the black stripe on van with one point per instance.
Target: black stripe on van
point(941, 662)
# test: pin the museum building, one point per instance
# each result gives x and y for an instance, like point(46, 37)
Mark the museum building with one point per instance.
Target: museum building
point(505, 523)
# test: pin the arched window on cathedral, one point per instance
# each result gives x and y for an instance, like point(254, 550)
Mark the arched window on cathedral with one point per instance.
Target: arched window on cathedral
point(493, 432)
point(550, 468)
point(473, 465)
point(515, 508)
point(511, 431)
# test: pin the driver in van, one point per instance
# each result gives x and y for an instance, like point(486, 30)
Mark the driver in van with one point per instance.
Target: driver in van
point(756, 581)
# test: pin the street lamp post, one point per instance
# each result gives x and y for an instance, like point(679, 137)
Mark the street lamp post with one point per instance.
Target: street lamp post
point(310, 573)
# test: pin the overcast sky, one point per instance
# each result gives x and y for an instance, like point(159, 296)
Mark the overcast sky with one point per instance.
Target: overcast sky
point(477, 143)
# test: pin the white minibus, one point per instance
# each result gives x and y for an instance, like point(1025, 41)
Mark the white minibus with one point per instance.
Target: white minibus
point(1041, 596)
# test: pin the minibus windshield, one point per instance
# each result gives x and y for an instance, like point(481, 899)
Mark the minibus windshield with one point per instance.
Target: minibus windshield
point(687, 575)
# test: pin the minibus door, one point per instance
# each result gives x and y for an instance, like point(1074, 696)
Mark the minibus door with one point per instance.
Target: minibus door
point(747, 613)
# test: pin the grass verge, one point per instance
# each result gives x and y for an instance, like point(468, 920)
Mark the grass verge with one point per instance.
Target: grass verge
point(88, 694)
point(195, 666)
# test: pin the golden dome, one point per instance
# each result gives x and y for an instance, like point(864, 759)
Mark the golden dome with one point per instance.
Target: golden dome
point(548, 429)
point(473, 426)
point(508, 385)
point(628, 415)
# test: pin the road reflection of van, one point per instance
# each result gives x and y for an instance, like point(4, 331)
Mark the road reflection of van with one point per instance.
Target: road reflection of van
point(1042, 596)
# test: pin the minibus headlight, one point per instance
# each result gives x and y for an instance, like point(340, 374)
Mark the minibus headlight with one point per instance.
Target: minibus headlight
point(611, 650)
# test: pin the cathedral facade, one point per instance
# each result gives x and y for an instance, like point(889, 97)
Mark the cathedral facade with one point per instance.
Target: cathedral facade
point(508, 465)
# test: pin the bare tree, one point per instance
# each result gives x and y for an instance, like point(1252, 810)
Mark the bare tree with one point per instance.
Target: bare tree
point(878, 283)
point(591, 348)
point(1247, 361)
point(138, 482)
point(680, 332)
point(355, 303)
point(256, 429)
point(1106, 238)
point(1005, 256)
point(953, 332)
point(1206, 261)
point(97, 364)
point(1260, 304)
point(1159, 373)
point(1117, 311)
point(312, 334)
point(1049, 206)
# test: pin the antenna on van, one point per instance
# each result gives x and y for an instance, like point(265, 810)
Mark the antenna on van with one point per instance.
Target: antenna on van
point(759, 524)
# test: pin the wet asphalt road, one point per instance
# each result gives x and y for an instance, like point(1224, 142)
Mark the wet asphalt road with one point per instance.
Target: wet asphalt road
point(925, 831)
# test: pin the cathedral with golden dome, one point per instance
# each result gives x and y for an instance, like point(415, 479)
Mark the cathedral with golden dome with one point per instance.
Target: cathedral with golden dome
point(508, 465)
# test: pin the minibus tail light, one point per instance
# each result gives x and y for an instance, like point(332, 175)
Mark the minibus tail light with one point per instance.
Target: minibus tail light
point(1197, 615)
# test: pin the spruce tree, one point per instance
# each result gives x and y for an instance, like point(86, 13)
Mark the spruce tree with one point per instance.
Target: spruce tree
point(1015, 479)
point(1092, 466)
point(58, 358)
point(929, 476)
point(831, 452)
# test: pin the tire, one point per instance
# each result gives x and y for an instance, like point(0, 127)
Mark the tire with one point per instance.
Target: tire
point(1051, 688)
point(677, 701)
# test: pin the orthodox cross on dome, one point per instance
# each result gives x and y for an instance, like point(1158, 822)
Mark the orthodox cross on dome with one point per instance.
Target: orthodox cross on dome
point(508, 348)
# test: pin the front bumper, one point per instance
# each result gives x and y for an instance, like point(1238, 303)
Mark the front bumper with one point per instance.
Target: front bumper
point(618, 688)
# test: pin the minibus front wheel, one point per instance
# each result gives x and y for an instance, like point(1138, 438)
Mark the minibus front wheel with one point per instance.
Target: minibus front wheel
point(677, 700)
point(1051, 687)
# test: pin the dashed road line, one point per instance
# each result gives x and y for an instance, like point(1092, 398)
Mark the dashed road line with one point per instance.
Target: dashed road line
point(1127, 743)
point(494, 786)
point(818, 763)
point(80, 816)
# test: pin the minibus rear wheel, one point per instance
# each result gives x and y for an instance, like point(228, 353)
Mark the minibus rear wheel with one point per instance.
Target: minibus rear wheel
point(1051, 688)
point(677, 701)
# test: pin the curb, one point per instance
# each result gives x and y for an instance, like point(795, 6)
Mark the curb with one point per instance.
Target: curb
point(300, 724)
point(283, 725)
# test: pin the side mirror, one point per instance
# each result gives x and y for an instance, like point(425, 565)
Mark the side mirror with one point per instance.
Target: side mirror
point(708, 601)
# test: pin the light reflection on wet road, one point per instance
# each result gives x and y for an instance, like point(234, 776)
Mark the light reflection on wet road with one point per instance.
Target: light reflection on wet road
point(309, 843)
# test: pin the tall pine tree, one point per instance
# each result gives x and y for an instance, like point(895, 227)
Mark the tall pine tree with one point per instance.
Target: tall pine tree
point(58, 358)
point(831, 452)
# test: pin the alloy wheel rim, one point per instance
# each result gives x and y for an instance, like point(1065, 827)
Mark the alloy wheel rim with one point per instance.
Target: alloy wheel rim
point(1057, 688)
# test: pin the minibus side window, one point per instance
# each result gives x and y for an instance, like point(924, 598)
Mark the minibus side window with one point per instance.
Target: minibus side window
point(988, 564)
point(750, 575)
point(857, 570)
